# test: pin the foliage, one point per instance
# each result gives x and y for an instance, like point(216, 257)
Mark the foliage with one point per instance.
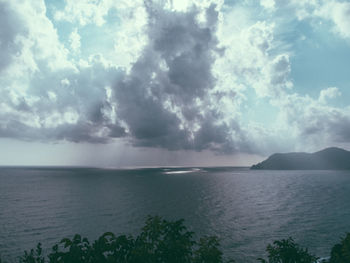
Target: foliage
point(287, 251)
point(341, 252)
point(163, 241)
point(208, 251)
point(34, 256)
point(160, 241)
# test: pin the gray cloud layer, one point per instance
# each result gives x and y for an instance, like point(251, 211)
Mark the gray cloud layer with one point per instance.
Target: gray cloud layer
point(164, 101)
point(179, 92)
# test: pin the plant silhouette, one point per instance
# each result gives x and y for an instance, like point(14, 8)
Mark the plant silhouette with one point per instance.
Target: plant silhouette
point(34, 256)
point(287, 251)
point(162, 241)
point(341, 252)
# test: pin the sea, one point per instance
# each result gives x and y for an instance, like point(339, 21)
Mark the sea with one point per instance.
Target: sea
point(246, 209)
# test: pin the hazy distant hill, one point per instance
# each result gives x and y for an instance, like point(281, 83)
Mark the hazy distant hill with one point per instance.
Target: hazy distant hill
point(327, 159)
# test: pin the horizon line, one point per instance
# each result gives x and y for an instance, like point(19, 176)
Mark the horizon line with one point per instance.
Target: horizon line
point(121, 168)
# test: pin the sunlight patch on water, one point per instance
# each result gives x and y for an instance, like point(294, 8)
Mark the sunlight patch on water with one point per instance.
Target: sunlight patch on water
point(169, 171)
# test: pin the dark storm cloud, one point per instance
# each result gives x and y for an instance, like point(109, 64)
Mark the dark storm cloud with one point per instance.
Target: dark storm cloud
point(165, 98)
point(77, 132)
point(149, 123)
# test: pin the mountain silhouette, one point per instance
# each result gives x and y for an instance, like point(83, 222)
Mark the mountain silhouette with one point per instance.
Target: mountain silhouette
point(328, 159)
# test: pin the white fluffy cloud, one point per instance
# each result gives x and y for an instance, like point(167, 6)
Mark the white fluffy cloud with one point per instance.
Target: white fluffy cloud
point(268, 4)
point(338, 12)
point(74, 40)
point(329, 93)
point(84, 11)
point(44, 95)
point(313, 123)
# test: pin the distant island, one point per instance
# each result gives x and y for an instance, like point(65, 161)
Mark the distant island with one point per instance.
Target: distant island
point(328, 159)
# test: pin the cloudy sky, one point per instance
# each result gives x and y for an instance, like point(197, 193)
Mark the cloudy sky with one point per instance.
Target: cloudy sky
point(118, 83)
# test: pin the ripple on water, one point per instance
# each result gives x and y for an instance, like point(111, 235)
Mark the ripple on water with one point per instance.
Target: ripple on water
point(245, 209)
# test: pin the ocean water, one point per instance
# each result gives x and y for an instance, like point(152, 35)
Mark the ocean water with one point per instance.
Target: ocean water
point(246, 209)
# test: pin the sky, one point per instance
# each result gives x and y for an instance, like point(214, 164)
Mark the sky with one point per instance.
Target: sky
point(124, 83)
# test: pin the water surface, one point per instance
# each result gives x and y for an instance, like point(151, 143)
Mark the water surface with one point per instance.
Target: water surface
point(246, 209)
